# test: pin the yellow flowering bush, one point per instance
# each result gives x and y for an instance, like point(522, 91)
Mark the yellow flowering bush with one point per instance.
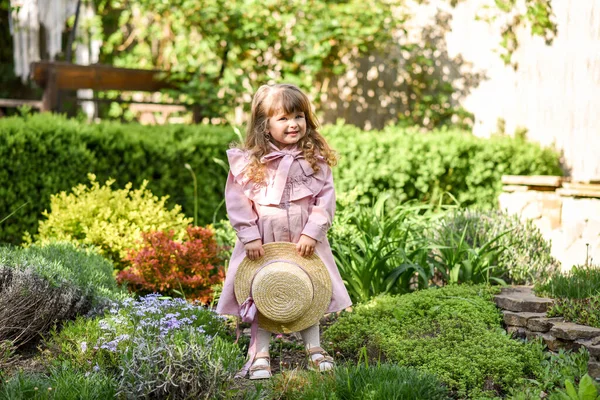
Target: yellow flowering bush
point(112, 220)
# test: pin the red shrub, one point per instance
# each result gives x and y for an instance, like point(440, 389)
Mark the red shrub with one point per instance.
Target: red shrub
point(165, 265)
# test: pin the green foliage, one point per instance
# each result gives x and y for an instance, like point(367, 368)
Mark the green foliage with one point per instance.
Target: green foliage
point(111, 220)
point(412, 165)
point(60, 383)
point(581, 311)
point(588, 390)
point(382, 251)
point(43, 154)
point(555, 368)
point(156, 347)
point(538, 16)
point(453, 332)
point(62, 263)
point(237, 45)
point(576, 295)
point(460, 261)
point(351, 382)
point(523, 255)
point(580, 282)
point(45, 285)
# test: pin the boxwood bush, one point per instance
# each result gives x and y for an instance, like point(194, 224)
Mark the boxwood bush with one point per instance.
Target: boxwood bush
point(41, 155)
point(453, 332)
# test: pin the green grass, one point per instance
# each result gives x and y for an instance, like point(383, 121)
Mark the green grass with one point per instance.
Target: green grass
point(351, 382)
point(579, 283)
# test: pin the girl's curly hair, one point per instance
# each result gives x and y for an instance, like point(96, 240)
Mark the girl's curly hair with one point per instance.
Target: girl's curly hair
point(269, 100)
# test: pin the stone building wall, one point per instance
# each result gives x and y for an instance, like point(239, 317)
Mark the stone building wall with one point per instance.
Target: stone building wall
point(567, 214)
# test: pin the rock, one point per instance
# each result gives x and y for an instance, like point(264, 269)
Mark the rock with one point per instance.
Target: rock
point(571, 331)
point(517, 332)
point(542, 324)
point(596, 340)
point(553, 343)
point(522, 301)
point(594, 369)
point(519, 319)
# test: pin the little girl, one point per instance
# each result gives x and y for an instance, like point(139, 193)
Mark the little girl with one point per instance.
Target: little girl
point(280, 189)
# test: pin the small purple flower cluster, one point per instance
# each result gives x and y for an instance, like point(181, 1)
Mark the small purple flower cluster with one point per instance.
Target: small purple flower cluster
point(151, 316)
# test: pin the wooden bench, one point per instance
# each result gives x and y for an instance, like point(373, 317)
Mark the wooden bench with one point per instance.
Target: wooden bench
point(56, 77)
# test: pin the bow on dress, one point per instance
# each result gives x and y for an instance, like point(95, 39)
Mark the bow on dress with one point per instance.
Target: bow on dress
point(275, 192)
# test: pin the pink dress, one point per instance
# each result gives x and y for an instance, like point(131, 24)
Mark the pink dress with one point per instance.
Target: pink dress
point(295, 200)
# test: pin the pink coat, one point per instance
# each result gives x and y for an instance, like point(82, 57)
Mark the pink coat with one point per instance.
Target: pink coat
point(295, 200)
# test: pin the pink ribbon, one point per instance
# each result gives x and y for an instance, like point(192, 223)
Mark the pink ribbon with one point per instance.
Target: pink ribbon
point(248, 313)
point(278, 185)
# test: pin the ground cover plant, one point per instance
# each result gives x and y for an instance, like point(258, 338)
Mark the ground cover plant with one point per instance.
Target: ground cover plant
point(153, 348)
point(111, 220)
point(188, 268)
point(41, 286)
point(453, 332)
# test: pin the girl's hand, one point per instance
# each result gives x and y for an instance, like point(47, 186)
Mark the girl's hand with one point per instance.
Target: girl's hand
point(306, 246)
point(254, 249)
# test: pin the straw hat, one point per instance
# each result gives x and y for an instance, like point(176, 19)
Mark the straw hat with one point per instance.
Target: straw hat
point(291, 292)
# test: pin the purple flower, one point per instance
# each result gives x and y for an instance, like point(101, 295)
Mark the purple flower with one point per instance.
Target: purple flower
point(110, 346)
point(96, 368)
point(83, 347)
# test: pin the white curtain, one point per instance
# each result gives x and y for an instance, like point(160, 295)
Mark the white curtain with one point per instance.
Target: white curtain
point(25, 28)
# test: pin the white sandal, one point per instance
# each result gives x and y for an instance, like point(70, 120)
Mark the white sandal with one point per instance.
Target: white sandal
point(256, 370)
point(320, 363)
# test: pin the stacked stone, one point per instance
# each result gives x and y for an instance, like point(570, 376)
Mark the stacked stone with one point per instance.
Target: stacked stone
point(567, 214)
point(525, 317)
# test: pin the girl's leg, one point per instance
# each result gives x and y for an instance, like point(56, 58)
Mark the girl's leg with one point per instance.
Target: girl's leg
point(263, 340)
point(312, 343)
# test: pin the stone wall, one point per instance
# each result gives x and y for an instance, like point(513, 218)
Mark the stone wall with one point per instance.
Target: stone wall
point(567, 214)
point(525, 317)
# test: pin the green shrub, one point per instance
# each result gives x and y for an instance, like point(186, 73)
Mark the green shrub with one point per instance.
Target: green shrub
point(112, 220)
point(453, 332)
point(413, 165)
point(104, 340)
point(351, 382)
point(187, 365)
point(524, 255)
point(581, 311)
point(44, 154)
point(44, 285)
point(41, 155)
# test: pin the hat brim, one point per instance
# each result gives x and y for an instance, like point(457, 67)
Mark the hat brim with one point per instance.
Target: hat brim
point(312, 265)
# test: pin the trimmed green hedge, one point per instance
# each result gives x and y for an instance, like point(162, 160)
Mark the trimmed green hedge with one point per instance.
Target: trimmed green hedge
point(42, 154)
point(423, 166)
